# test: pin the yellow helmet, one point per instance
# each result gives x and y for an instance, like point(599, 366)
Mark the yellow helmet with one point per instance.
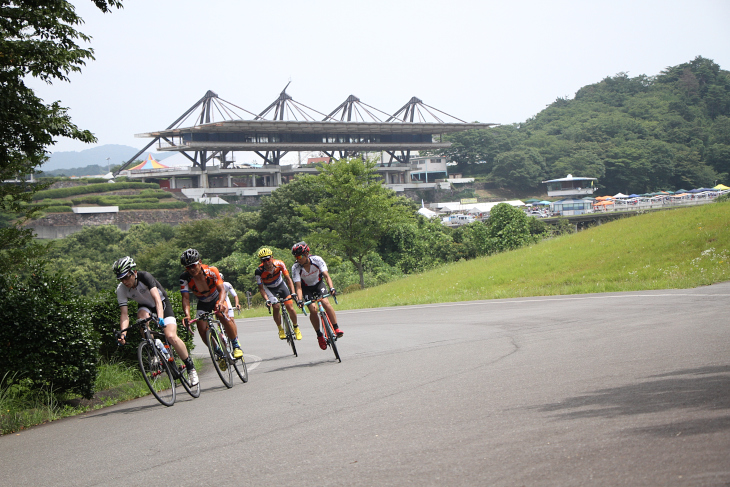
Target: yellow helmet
point(265, 252)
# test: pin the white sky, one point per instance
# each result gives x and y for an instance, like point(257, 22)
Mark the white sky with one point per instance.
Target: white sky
point(479, 60)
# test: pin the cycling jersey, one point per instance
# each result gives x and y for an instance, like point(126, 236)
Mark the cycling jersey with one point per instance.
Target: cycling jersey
point(141, 292)
point(313, 275)
point(212, 279)
point(229, 290)
point(274, 276)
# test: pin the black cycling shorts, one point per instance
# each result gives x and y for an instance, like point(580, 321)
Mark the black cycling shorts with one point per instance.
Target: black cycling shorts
point(310, 293)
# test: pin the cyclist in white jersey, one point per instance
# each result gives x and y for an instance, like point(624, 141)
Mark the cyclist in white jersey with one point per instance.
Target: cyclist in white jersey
point(230, 292)
point(143, 288)
point(309, 273)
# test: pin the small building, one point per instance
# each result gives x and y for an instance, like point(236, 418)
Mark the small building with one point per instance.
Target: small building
point(570, 207)
point(429, 168)
point(571, 186)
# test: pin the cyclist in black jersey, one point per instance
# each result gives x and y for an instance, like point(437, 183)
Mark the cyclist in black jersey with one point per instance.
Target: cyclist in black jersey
point(143, 288)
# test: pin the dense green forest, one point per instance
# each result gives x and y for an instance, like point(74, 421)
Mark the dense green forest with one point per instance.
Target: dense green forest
point(636, 135)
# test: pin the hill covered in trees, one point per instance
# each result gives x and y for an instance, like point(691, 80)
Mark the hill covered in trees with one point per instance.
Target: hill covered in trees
point(636, 135)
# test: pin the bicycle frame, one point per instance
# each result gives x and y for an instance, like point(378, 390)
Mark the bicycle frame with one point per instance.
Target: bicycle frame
point(288, 325)
point(220, 348)
point(324, 322)
point(175, 371)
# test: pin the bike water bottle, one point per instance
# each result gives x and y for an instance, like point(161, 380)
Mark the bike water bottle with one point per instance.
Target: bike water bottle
point(162, 348)
point(168, 353)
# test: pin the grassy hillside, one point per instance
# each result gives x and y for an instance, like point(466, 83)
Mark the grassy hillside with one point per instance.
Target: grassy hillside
point(682, 248)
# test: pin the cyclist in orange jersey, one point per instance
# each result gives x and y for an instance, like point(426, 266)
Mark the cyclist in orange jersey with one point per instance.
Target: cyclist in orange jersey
point(206, 284)
point(270, 277)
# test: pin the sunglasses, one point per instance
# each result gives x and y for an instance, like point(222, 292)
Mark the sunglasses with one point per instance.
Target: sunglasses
point(192, 265)
point(265, 259)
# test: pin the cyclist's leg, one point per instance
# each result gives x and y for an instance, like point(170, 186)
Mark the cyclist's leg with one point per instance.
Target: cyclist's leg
point(309, 293)
point(292, 313)
point(330, 312)
point(202, 308)
point(276, 312)
point(229, 326)
point(170, 331)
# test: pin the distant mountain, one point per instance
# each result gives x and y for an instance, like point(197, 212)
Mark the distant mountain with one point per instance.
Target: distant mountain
point(93, 170)
point(117, 154)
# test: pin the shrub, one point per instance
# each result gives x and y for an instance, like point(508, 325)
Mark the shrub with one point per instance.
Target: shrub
point(47, 335)
point(160, 205)
point(56, 209)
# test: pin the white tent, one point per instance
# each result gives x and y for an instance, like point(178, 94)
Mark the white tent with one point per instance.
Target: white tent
point(427, 213)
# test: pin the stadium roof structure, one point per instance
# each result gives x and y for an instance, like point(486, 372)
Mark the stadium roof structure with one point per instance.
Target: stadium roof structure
point(351, 129)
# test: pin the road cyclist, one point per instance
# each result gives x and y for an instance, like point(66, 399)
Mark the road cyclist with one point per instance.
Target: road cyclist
point(230, 292)
point(273, 280)
point(309, 274)
point(143, 288)
point(206, 284)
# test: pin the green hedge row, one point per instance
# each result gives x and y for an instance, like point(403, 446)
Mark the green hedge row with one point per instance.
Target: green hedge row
point(57, 209)
point(160, 205)
point(91, 188)
point(121, 199)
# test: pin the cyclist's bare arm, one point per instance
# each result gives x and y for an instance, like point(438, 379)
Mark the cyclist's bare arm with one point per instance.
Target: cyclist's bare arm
point(123, 323)
point(155, 293)
point(327, 277)
point(186, 310)
point(262, 291)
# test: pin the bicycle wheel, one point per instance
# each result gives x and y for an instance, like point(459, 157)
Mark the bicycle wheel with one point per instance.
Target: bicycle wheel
point(241, 369)
point(289, 329)
point(156, 373)
point(182, 372)
point(215, 343)
point(331, 338)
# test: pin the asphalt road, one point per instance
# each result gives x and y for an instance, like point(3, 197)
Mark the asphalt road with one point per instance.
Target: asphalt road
point(602, 389)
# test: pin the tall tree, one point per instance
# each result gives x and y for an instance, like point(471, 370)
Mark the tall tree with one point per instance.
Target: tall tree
point(355, 211)
point(39, 40)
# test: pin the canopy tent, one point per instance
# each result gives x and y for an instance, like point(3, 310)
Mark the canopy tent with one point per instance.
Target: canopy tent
point(620, 195)
point(150, 163)
point(531, 200)
point(427, 213)
point(604, 203)
point(721, 187)
point(543, 203)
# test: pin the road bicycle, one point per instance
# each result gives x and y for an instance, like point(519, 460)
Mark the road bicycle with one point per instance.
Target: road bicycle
point(287, 324)
point(221, 351)
point(327, 330)
point(160, 364)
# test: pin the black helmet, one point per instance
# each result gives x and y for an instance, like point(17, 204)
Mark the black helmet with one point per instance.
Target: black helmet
point(299, 249)
point(189, 257)
point(123, 266)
